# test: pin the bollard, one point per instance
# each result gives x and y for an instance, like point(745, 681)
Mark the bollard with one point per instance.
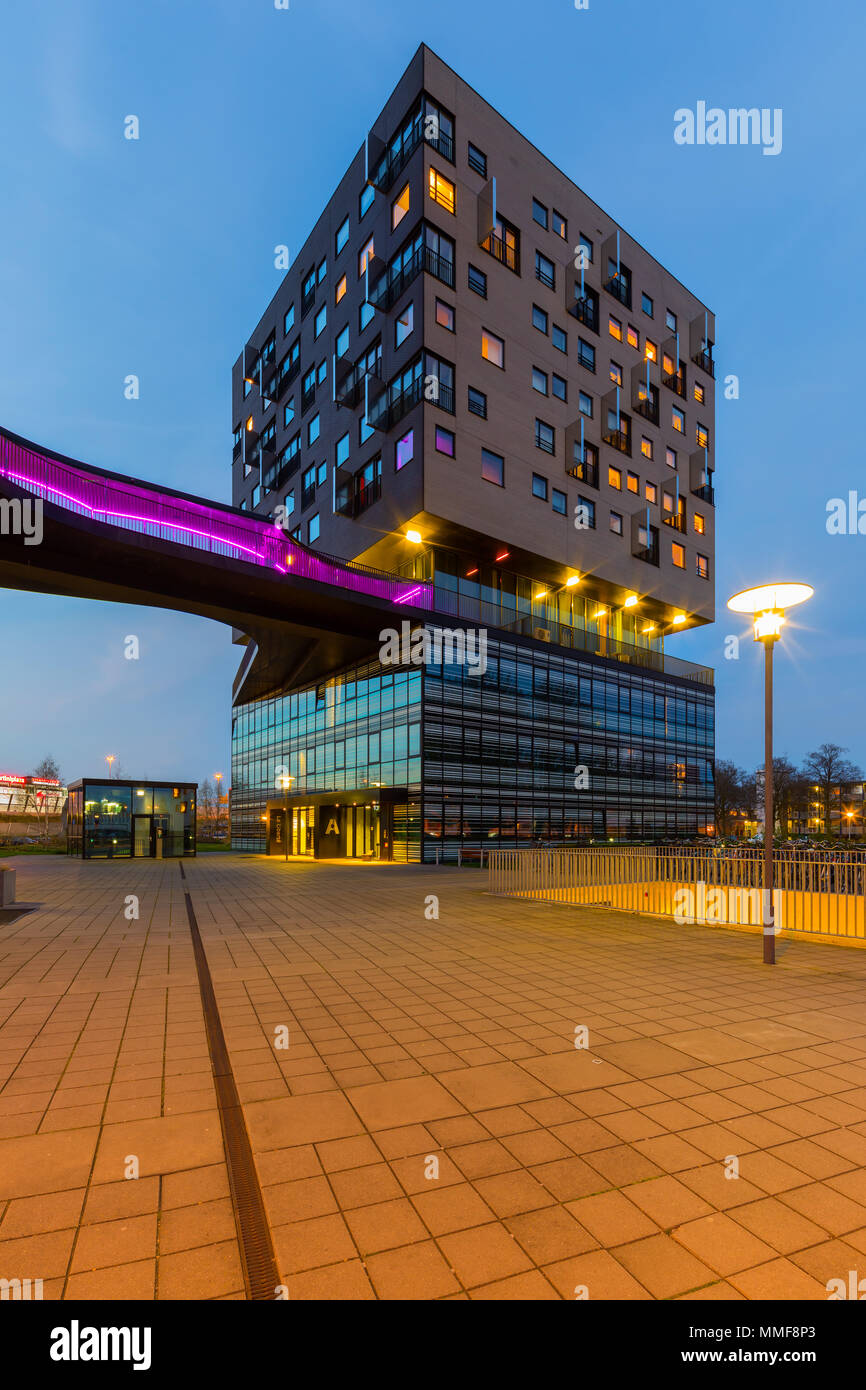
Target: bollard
point(7, 887)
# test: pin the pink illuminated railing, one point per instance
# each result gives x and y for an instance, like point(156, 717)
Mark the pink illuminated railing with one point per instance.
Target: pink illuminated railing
point(137, 507)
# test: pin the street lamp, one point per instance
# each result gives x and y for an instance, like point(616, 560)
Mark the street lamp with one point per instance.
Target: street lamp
point(767, 605)
point(850, 815)
point(109, 758)
point(285, 782)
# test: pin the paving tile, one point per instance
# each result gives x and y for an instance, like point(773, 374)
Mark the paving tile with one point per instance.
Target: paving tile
point(413, 1272)
point(612, 1219)
point(663, 1266)
point(454, 1208)
point(292, 1120)
point(499, 1083)
point(778, 1279)
point(722, 1243)
point(483, 1254)
point(599, 1274)
point(385, 1226)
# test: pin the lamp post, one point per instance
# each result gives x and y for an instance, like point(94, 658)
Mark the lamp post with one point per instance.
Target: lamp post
point(767, 605)
point(218, 777)
point(109, 758)
point(285, 782)
point(850, 815)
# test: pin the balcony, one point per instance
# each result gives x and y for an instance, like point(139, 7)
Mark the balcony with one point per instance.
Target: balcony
point(648, 553)
point(648, 408)
point(352, 501)
point(585, 473)
point(677, 522)
point(307, 301)
point(620, 288)
point(389, 290)
point(307, 398)
point(618, 439)
point(703, 358)
point(444, 398)
point(308, 496)
point(706, 492)
point(676, 381)
point(395, 160)
point(236, 450)
point(497, 247)
point(585, 310)
point(385, 418)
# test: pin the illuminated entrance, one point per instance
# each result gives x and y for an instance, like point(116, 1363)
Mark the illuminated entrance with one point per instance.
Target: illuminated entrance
point(336, 825)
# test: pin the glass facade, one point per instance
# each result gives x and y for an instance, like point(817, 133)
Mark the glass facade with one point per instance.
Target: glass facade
point(130, 820)
point(544, 745)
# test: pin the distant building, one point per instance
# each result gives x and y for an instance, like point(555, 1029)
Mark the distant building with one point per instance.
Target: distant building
point(29, 796)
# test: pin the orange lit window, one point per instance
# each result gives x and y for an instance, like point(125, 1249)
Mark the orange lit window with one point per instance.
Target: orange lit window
point(700, 524)
point(699, 393)
point(679, 772)
point(679, 555)
point(614, 328)
point(646, 447)
point(366, 254)
point(678, 420)
point(399, 207)
point(701, 436)
point(342, 286)
point(441, 190)
point(633, 337)
point(651, 492)
point(668, 502)
point(703, 567)
point(614, 478)
point(492, 348)
point(668, 365)
point(633, 482)
point(651, 352)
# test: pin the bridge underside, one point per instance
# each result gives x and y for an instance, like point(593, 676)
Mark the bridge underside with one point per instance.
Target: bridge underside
point(302, 629)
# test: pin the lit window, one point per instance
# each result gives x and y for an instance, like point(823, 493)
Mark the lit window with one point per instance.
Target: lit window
point(650, 492)
point(700, 524)
point(366, 254)
point(399, 207)
point(646, 447)
point(678, 420)
point(493, 468)
point(492, 348)
point(678, 554)
point(444, 441)
point(614, 478)
point(616, 523)
point(342, 235)
point(699, 393)
point(701, 436)
point(651, 352)
point(445, 315)
point(667, 364)
point(539, 487)
point(441, 190)
point(703, 567)
point(671, 458)
point(321, 320)
point(616, 373)
point(614, 328)
point(405, 450)
point(539, 381)
point(559, 225)
point(404, 324)
point(647, 305)
point(342, 286)
point(633, 337)
point(633, 482)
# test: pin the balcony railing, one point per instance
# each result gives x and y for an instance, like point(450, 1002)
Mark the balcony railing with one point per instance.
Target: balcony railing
point(676, 381)
point(620, 288)
point(444, 398)
point(618, 439)
point(307, 496)
point(706, 492)
point(308, 301)
point(544, 441)
point(677, 522)
point(545, 277)
point(392, 163)
point(586, 360)
point(236, 450)
point(307, 398)
point(649, 409)
point(585, 310)
point(584, 473)
point(388, 415)
point(500, 250)
point(649, 553)
point(704, 359)
point(390, 288)
point(353, 503)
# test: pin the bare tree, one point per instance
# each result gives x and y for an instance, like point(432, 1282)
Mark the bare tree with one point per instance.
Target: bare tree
point(826, 768)
point(728, 785)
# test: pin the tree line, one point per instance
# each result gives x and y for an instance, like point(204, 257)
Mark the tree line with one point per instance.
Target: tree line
point(739, 792)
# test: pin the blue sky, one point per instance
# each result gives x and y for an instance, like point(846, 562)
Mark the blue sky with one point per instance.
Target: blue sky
point(155, 257)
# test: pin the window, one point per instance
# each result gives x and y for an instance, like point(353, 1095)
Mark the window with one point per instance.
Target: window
point(342, 450)
point(678, 420)
point(342, 236)
point(699, 393)
point(288, 414)
point(341, 344)
point(616, 523)
point(445, 315)
point(314, 528)
point(559, 501)
point(364, 255)
point(478, 281)
point(678, 555)
point(614, 327)
point(313, 430)
point(539, 487)
point(559, 225)
point(342, 286)
point(404, 324)
point(288, 319)
point(322, 372)
point(632, 482)
point(650, 492)
point(584, 404)
point(559, 387)
point(444, 441)
point(559, 338)
point(322, 476)
point(703, 566)
point(539, 319)
point(588, 511)
point(368, 193)
point(399, 207)
point(539, 213)
point(614, 478)
point(545, 271)
point(322, 271)
point(633, 336)
point(365, 431)
point(586, 243)
point(615, 373)
point(493, 468)
point(651, 352)
point(366, 314)
point(701, 436)
point(539, 380)
point(321, 320)
point(700, 524)
point(441, 190)
point(545, 437)
point(492, 348)
point(405, 450)
point(477, 160)
point(586, 354)
point(308, 483)
point(647, 305)
point(646, 447)
point(671, 458)
point(289, 502)
point(478, 402)
point(671, 320)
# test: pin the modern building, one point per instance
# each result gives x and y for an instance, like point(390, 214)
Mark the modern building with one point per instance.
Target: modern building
point(22, 795)
point(472, 377)
point(130, 820)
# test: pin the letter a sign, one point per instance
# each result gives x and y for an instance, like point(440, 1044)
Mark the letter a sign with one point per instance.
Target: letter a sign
point(332, 828)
